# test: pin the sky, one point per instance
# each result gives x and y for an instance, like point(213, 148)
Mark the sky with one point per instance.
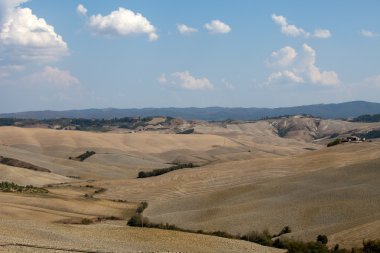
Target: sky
point(69, 54)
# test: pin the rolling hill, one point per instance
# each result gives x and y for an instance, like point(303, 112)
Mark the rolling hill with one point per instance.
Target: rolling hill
point(258, 175)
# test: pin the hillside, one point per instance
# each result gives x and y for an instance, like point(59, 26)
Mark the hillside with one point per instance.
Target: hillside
point(258, 175)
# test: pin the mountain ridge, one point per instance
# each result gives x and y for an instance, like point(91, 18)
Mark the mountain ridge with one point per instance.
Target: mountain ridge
point(332, 111)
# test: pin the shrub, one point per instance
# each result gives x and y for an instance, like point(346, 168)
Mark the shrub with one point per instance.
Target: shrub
point(371, 246)
point(263, 238)
point(322, 239)
point(187, 131)
point(83, 156)
point(142, 206)
point(158, 172)
point(138, 220)
point(294, 246)
point(285, 230)
point(12, 187)
point(100, 190)
point(335, 142)
point(86, 221)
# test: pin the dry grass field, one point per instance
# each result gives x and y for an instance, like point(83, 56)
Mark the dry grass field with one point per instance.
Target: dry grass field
point(249, 178)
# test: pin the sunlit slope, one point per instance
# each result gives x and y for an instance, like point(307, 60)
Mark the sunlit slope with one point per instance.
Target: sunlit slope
point(28, 177)
point(117, 155)
point(323, 191)
point(114, 237)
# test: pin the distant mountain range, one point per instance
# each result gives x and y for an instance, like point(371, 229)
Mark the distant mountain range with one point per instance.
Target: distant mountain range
point(331, 111)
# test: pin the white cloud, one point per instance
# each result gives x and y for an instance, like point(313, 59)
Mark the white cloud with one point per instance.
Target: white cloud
point(217, 26)
point(123, 22)
point(315, 75)
point(283, 57)
point(299, 68)
point(368, 34)
point(186, 30)
point(322, 33)
point(185, 81)
point(294, 31)
point(24, 36)
point(189, 82)
point(54, 76)
point(285, 75)
point(82, 10)
point(290, 30)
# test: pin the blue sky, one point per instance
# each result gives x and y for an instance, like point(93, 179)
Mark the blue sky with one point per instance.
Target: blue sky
point(164, 53)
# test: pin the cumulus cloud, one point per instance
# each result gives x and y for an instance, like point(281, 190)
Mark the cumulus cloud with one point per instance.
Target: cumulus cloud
point(189, 82)
point(217, 26)
point(186, 30)
point(55, 77)
point(24, 36)
point(299, 68)
point(82, 10)
point(290, 30)
point(285, 75)
point(186, 81)
point(368, 34)
point(294, 31)
point(283, 57)
point(123, 22)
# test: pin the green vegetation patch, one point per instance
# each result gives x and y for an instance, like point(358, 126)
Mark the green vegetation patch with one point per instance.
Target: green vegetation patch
point(158, 172)
point(367, 118)
point(263, 238)
point(20, 164)
point(334, 142)
point(12, 187)
point(83, 156)
point(374, 134)
point(186, 131)
point(138, 220)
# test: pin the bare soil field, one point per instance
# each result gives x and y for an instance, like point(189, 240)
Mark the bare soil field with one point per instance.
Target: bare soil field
point(250, 178)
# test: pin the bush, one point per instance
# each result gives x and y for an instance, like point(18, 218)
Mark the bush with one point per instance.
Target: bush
point(142, 206)
point(285, 230)
point(100, 190)
point(322, 239)
point(158, 172)
point(138, 220)
point(335, 142)
point(263, 238)
point(84, 156)
point(371, 246)
point(86, 221)
point(12, 187)
point(294, 246)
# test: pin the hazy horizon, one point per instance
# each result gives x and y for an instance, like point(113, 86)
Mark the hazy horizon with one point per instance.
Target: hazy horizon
point(142, 108)
point(59, 55)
